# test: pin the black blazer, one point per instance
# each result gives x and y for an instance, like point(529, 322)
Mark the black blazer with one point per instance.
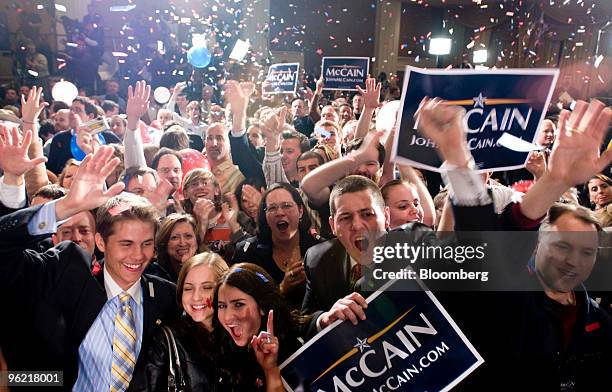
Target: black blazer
point(327, 267)
point(63, 298)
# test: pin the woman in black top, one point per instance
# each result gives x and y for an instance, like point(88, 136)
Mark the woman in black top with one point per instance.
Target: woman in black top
point(283, 236)
point(192, 333)
point(247, 306)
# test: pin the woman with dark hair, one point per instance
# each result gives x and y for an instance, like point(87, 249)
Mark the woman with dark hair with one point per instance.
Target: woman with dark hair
point(192, 333)
point(246, 302)
point(600, 191)
point(177, 241)
point(283, 236)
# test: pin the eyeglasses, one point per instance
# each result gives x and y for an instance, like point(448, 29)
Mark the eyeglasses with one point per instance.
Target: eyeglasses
point(286, 206)
point(198, 183)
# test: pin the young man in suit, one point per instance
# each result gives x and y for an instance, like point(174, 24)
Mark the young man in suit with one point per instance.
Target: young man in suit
point(92, 326)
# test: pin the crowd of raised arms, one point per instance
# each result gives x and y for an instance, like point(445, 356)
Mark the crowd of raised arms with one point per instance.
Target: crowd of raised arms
point(236, 230)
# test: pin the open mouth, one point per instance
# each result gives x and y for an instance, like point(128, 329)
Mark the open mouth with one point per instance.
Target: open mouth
point(235, 331)
point(282, 226)
point(201, 195)
point(361, 243)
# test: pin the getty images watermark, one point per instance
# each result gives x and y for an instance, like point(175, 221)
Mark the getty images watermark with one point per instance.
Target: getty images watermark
point(408, 255)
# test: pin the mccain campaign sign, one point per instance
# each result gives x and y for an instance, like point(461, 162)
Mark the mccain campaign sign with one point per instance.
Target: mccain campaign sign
point(344, 73)
point(407, 342)
point(507, 104)
point(282, 78)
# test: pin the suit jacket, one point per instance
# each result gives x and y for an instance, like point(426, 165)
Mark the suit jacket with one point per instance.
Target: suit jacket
point(327, 267)
point(63, 298)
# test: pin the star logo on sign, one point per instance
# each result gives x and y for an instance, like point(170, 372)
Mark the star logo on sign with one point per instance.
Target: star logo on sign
point(362, 344)
point(479, 101)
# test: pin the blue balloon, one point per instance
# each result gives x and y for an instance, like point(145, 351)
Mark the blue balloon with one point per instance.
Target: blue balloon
point(76, 151)
point(198, 56)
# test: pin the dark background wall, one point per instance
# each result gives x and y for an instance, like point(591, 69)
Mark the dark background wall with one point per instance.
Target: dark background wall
point(323, 28)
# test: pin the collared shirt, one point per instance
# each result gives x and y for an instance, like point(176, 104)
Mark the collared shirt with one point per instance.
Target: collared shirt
point(228, 175)
point(12, 196)
point(96, 350)
point(44, 221)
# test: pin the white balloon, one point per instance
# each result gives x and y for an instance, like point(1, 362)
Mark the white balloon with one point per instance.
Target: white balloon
point(161, 94)
point(387, 116)
point(64, 91)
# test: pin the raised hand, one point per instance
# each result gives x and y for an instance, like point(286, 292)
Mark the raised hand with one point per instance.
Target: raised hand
point(238, 94)
point(443, 124)
point(575, 156)
point(368, 151)
point(273, 123)
point(14, 158)
point(308, 94)
point(85, 140)
point(371, 94)
point(137, 103)
point(31, 108)
point(178, 88)
point(536, 164)
point(265, 346)
point(159, 197)
point(229, 210)
point(251, 194)
point(88, 187)
point(320, 85)
point(202, 210)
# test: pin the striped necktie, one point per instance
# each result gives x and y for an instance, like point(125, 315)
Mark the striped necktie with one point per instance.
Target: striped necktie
point(124, 346)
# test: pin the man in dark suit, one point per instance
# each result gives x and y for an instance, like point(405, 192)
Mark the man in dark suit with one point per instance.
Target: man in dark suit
point(92, 326)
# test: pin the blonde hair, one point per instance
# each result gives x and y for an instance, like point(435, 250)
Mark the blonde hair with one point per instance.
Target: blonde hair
point(193, 176)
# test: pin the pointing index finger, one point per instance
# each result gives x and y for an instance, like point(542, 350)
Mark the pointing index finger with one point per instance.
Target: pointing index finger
point(271, 322)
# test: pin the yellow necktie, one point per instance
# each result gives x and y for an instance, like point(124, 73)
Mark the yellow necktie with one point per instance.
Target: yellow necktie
point(124, 346)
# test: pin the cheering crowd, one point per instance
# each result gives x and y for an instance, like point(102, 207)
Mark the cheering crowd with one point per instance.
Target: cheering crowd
point(198, 245)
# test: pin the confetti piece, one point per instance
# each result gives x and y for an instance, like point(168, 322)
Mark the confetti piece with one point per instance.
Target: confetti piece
point(122, 8)
point(119, 208)
point(598, 61)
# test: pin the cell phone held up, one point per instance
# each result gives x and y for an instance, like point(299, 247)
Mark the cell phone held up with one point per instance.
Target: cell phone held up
point(97, 125)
